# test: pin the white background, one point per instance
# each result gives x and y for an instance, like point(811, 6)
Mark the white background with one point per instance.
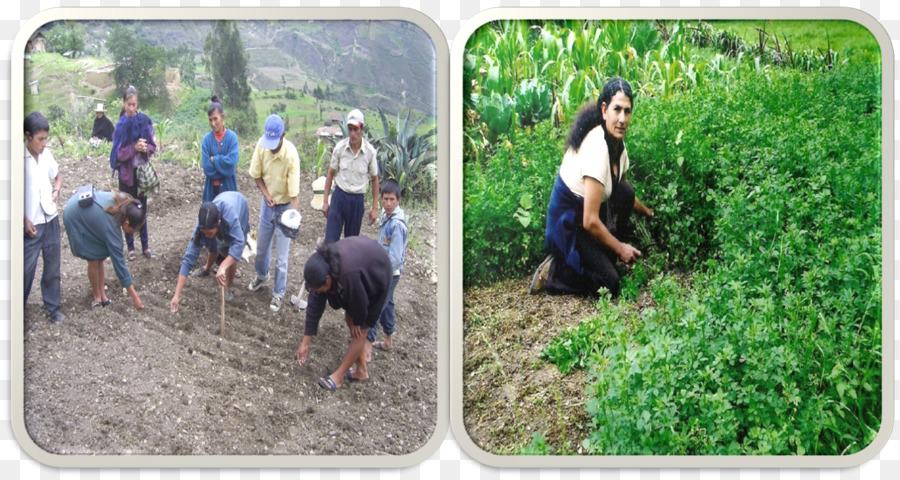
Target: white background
point(449, 462)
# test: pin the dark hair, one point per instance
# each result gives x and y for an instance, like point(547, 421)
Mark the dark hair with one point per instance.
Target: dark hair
point(591, 116)
point(215, 106)
point(130, 91)
point(35, 123)
point(390, 186)
point(209, 216)
point(126, 207)
point(324, 262)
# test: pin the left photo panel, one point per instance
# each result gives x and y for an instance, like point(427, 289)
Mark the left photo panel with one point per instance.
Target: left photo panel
point(231, 238)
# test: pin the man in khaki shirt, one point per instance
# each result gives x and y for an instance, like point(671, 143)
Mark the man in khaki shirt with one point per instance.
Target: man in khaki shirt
point(353, 162)
point(276, 168)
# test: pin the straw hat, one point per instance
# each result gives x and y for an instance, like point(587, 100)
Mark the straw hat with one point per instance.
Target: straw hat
point(318, 187)
point(99, 108)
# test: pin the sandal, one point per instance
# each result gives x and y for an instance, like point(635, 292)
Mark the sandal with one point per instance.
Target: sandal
point(350, 378)
point(100, 304)
point(380, 346)
point(149, 255)
point(328, 384)
point(132, 256)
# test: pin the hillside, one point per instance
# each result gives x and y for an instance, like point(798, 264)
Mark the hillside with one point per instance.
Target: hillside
point(387, 64)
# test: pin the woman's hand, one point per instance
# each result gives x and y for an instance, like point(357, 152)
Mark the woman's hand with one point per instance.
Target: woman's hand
point(628, 254)
point(173, 305)
point(303, 350)
point(355, 330)
point(135, 299)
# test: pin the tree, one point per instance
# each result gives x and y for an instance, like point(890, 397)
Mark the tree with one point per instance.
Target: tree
point(318, 93)
point(182, 58)
point(224, 57)
point(140, 64)
point(67, 37)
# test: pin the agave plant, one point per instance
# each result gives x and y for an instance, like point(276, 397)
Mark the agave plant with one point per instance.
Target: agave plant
point(407, 156)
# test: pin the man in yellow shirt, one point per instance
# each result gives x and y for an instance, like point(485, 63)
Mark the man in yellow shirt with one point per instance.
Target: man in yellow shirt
point(276, 168)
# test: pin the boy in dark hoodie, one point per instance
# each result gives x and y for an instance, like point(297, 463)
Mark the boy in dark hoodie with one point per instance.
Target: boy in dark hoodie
point(393, 236)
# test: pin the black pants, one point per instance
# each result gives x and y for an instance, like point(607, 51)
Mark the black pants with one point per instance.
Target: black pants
point(597, 261)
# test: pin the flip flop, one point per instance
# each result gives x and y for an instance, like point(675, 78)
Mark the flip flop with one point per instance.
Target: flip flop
point(149, 255)
point(380, 346)
point(351, 378)
point(328, 384)
point(132, 256)
point(100, 304)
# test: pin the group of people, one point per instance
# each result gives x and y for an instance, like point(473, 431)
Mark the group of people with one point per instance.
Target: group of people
point(355, 274)
point(587, 216)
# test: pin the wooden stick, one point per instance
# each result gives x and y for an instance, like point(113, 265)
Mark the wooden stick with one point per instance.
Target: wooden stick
point(222, 324)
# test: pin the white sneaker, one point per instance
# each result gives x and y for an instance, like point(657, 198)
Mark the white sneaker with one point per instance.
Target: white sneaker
point(229, 295)
point(257, 283)
point(276, 304)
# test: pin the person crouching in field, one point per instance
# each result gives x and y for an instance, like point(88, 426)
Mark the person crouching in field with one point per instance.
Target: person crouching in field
point(225, 219)
point(393, 236)
point(591, 201)
point(95, 233)
point(353, 274)
point(42, 236)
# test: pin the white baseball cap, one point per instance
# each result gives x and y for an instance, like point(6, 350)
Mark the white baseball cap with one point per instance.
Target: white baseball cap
point(356, 118)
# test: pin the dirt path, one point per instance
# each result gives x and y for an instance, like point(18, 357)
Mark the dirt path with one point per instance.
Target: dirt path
point(118, 381)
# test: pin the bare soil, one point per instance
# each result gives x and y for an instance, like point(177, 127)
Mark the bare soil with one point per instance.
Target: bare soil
point(509, 392)
point(116, 380)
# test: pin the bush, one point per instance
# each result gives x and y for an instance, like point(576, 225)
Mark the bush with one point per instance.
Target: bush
point(496, 243)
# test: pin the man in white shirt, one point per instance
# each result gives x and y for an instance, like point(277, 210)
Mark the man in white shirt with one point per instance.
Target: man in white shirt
point(42, 234)
point(353, 162)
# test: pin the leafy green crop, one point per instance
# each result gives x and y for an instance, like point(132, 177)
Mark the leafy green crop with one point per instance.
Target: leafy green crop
point(774, 346)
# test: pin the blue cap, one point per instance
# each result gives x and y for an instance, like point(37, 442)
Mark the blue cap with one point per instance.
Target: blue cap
point(274, 130)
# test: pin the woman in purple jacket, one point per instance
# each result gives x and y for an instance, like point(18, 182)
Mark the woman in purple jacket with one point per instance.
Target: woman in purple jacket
point(133, 144)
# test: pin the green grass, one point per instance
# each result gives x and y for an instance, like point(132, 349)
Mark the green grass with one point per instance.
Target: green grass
point(848, 38)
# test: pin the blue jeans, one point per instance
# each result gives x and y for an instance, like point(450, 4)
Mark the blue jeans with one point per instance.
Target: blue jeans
point(268, 231)
point(345, 211)
point(47, 244)
point(387, 314)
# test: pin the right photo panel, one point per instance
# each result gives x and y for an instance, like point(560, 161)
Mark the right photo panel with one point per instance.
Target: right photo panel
point(672, 240)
